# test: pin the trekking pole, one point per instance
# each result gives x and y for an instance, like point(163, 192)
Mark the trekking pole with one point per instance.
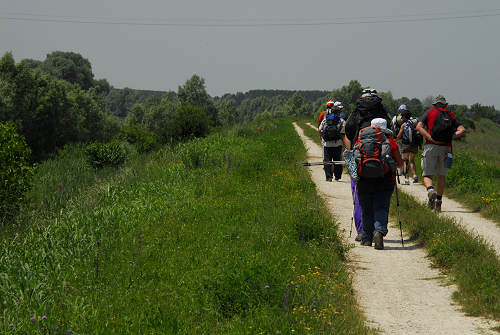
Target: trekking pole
point(399, 211)
point(353, 205)
point(323, 163)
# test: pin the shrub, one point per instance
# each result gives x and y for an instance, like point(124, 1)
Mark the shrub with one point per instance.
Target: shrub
point(190, 122)
point(15, 170)
point(142, 139)
point(100, 155)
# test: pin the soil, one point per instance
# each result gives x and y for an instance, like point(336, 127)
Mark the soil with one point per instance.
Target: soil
point(398, 290)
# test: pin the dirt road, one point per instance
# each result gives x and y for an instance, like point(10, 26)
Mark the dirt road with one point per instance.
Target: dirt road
point(396, 287)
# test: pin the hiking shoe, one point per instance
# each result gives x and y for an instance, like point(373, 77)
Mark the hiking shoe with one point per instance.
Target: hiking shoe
point(337, 179)
point(358, 238)
point(415, 179)
point(328, 179)
point(378, 239)
point(432, 199)
point(406, 182)
point(437, 206)
point(366, 243)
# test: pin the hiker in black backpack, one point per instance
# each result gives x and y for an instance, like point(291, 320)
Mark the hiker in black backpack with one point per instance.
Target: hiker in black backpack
point(368, 107)
point(439, 127)
point(410, 140)
point(330, 129)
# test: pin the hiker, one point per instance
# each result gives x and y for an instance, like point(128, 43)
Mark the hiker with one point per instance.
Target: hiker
point(439, 127)
point(368, 107)
point(329, 106)
point(376, 169)
point(397, 121)
point(330, 129)
point(409, 140)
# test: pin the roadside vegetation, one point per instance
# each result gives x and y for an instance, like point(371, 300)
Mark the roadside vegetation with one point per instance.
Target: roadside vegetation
point(220, 235)
point(470, 263)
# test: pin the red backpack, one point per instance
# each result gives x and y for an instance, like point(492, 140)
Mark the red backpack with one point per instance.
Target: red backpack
point(372, 153)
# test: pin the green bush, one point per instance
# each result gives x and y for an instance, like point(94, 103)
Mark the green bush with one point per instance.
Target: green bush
point(190, 122)
point(100, 155)
point(142, 138)
point(15, 170)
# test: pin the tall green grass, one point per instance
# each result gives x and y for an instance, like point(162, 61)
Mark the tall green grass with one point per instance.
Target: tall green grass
point(221, 235)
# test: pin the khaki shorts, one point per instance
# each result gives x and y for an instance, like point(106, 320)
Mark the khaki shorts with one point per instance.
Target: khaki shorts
point(407, 148)
point(433, 158)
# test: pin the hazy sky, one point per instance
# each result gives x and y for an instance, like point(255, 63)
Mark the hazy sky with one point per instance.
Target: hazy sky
point(240, 45)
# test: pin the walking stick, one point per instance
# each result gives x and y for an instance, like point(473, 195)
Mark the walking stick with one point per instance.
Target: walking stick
point(323, 163)
point(399, 211)
point(353, 205)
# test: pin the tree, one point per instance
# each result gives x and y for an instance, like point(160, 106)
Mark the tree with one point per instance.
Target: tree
point(71, 67)
point(227, 111)
point(193, 93)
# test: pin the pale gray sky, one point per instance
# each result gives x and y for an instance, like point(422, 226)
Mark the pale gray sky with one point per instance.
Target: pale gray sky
point(456, 57)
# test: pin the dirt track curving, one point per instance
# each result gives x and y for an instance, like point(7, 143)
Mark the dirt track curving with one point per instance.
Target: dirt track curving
point(396, 287)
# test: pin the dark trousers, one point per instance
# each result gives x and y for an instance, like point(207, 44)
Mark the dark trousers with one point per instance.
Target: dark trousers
point(332, 154)
point(375, 209)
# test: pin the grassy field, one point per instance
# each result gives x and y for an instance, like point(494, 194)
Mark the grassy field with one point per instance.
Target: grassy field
point(221, 235)
point(466, 259)
point(474, 178)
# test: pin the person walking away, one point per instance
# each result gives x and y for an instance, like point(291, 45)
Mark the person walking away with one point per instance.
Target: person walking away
point(377, 155)
point(329, 107)
point(439, 127)
point(397, 121)
point(330, 129)
point(409, 140)
point(356, 215)
point(368, 107)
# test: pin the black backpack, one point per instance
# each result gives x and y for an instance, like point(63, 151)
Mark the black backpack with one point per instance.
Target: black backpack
point(370, 108)
point(444, 127)
point(410, 134)
point(331, 129)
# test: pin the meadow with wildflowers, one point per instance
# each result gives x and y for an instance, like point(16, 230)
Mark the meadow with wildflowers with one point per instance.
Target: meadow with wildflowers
point(221, 235)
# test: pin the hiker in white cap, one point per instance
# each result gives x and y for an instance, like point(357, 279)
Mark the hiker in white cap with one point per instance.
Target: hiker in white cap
point(377, 155)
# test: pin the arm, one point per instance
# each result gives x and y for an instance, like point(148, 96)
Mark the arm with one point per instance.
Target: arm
point(398, 159)
point(347, 143)
point(400, 134)
point(460, 132)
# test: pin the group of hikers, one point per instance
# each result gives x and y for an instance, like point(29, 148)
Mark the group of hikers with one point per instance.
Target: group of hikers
point(379, 148)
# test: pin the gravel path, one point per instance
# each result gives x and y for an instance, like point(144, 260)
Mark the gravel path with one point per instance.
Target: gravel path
point(396, 287)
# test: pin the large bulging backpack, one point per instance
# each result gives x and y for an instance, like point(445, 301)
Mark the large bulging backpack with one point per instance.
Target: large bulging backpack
point(370, 108)
point(331, 129)
point(410, 134)
point(372, 153)
point(443, 128)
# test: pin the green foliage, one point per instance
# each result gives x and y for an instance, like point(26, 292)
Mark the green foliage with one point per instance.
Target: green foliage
point(227, 112)
point(49, 113)
point(71, 67)
point(142, 139)
point(193, 93)
point(190, 122)
point(100, 155)
point(15, 171)
point(159, 247)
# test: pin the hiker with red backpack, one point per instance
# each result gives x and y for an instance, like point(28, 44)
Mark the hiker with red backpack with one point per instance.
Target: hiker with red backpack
point(439, 127)
point(372, 152)
point(377, 157)
point(410, 141)
point(330, 129)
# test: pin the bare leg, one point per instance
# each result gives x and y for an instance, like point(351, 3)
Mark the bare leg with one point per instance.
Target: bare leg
point(428, 181)
point(412, 163)
point(441, 182)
